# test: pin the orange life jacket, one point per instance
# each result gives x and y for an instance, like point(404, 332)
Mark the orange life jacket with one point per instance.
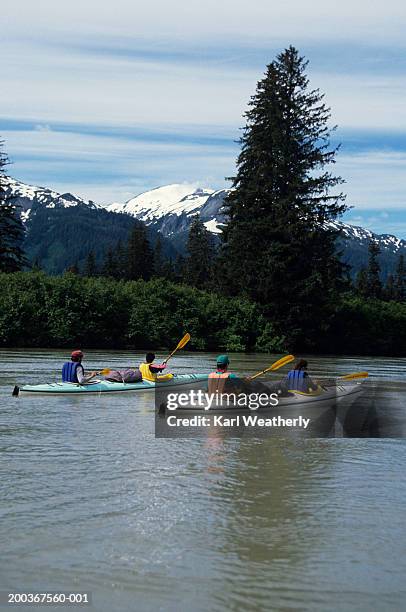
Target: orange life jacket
point(217, 381)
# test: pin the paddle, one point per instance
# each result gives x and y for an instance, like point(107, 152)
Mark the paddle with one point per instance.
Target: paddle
point(275, 366)
point(355, 375)
point(180, 345)
point(103, 372)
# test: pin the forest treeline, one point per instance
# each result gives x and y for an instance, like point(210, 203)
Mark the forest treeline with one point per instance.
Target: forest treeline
point(37, 310)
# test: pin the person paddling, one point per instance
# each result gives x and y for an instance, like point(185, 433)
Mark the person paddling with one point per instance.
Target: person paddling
point(218, 379)
point(73, 370)
point(299, 380)
point(150, 371)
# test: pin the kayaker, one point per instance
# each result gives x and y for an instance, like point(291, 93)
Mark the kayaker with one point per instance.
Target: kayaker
point(299, 380)
point(73, 370)
point(218, 379)
point(151, 371)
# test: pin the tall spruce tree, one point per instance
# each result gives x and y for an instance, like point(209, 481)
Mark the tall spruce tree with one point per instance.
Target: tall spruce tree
point(198, 270)
point(278, 246)
point(361, 282)
point(389, 292)
point(400, 283)
point(158, 258)
point(140, 255)
point(121, 260)
point(11, 228)
point(178, 270)
point(168, 270)
point(90, 268)
point(109, 265)
point(374, 285)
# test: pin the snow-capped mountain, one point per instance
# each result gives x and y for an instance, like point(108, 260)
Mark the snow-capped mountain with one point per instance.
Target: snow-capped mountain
point(62, 229)
point(171, 208)
point(168, 200)
point(29, 197)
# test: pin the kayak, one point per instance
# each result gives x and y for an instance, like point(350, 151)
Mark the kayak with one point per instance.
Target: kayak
point(323, 398)
point(105, 386)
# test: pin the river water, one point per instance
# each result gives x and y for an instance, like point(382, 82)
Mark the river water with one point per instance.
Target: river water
point(92, 502)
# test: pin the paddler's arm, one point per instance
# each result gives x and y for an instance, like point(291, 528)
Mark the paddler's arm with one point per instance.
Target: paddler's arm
point(156, 369)
point(82, 378)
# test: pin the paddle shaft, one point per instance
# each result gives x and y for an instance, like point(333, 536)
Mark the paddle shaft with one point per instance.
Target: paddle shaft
point(275, 366)
point(180, 345)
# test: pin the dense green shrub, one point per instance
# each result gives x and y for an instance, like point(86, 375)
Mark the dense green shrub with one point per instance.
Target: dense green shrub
point(367, 327)
point(37, 310)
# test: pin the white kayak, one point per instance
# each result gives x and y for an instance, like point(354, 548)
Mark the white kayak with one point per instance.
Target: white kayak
point(320, 399)
point(105, 386)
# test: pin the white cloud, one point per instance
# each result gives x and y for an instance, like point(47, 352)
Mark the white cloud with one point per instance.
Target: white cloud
point(119, 91)
point(375, 179)
point(365, 101)
point(41, 127)
point(107, 169)
point(288, 20)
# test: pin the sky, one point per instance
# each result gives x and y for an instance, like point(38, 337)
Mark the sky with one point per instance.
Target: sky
point(110, 99)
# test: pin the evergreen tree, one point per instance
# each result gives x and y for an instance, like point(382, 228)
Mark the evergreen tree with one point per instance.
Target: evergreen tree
point(121, 260)
point(179, 269)
point(168, 270)
point(109, 266)
point(374, 285)
point(158, 258)
point(140, 255)
point(361, 282)
point(278, 246)
point(390, 288)
point(90, 268)
point(400, 283)
point(198, 270)
point(11, 228)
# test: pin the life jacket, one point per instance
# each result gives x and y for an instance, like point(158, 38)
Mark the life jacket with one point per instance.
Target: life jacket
point(217, 381)
point(152, 376)
point(69, 370)
point(146, 372)
point(296, 381)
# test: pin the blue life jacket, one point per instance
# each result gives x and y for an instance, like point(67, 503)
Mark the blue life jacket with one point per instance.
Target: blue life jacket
point(296, 380)
point(69, 371)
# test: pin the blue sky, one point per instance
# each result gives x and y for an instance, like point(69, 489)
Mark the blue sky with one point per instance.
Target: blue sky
point(108, 100)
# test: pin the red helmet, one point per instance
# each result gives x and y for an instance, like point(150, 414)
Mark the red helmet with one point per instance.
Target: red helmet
point(76, 355)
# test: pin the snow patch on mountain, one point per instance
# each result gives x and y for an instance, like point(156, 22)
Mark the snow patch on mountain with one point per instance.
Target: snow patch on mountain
point(29, 197)
point(355, 232)
point(213, 226)
point(173, 199)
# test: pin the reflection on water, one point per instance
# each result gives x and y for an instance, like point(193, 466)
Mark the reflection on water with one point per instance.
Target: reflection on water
point(90, 500)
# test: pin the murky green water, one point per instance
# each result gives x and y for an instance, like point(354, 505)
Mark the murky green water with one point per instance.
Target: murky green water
point(91, 501)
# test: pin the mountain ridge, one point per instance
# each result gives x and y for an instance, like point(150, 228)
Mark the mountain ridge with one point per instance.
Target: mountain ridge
point(168, 211)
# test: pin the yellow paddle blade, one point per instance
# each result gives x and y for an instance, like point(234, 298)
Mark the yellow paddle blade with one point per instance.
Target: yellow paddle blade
point(281, 362)
point(275, 366)
point(355, 375)
point(183, 342)
point(105, 371)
